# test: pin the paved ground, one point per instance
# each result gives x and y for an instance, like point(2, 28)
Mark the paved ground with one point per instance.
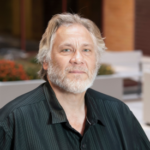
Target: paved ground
point(136, 107)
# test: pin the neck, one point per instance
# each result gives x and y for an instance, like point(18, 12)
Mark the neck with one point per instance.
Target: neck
point(74, 107)
point(71, 103)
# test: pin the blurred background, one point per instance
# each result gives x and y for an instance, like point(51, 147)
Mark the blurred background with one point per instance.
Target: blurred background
point(125, 24)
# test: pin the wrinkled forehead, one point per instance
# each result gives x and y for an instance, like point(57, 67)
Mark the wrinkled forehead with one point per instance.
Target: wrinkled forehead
point(74, 34)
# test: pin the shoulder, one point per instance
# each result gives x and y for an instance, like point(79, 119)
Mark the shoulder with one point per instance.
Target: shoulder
point(112, 109)
point(101, 96)
point(109, 102)
point(24, 100)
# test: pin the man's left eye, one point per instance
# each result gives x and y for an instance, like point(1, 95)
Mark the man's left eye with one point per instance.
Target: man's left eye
point(66, 50)
point(86, 50)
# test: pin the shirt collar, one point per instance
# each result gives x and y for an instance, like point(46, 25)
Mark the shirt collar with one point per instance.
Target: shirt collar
point(94, 114)
point(58, 114)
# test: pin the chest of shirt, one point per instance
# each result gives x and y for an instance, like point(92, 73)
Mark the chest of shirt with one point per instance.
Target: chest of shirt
point(61, 137)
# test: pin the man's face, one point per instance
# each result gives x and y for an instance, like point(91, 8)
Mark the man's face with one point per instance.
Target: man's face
point(73, 59)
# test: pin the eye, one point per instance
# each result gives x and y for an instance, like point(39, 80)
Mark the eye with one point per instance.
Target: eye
point(66, 50)
point(86, 50)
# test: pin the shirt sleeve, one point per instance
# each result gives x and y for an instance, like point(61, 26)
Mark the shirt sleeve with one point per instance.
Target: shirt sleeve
point(5, 140)
point(142, 142)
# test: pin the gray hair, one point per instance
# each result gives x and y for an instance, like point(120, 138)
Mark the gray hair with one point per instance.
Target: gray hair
point(66, 19)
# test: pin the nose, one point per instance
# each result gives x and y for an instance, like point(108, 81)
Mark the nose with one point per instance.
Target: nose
point(77, 58)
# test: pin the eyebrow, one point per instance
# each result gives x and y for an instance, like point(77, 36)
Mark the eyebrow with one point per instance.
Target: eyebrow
point(69, 44)
point(87, 44)
point(65, 44)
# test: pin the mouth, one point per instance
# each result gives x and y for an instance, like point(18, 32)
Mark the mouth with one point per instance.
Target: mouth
point(77, 72)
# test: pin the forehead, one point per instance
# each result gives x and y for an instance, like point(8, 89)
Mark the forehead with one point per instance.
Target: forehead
point(73, 33)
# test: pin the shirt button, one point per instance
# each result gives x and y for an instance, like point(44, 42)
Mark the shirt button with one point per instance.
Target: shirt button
point(84, 145)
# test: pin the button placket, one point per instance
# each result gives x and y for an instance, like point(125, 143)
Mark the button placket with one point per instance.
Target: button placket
point(84, 145)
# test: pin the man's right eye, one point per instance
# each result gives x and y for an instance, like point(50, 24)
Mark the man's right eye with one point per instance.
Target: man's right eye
point(66, 50)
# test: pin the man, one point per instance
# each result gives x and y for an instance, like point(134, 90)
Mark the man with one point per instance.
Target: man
point(63, 114)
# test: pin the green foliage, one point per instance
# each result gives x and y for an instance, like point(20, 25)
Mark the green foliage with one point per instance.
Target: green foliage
point(31, 67)
point(32, 72)
point(105, 69)
point(33, 60)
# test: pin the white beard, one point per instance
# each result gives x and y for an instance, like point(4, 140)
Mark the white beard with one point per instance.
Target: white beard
point(75, 85)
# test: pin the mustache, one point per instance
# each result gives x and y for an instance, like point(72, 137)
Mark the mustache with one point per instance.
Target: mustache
point(76, 68)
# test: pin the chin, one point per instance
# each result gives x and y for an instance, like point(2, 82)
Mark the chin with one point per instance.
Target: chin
point(75, 86)
point(77, 79)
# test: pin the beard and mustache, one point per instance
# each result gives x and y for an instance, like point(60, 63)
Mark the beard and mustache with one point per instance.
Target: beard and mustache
point(73, 85)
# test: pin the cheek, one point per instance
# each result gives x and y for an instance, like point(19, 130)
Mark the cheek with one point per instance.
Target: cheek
point(61, 63)
point(93, 66)
point(92, 62)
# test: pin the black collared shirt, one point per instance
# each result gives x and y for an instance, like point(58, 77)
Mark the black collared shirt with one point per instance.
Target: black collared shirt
point(36, 121)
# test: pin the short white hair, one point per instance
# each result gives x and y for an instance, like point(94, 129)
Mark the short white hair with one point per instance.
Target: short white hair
point(66, 19)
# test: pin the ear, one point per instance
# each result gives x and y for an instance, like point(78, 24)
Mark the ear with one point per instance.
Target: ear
point(45, 65)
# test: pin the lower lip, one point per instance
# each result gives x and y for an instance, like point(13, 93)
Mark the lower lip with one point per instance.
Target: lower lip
point(76, 72)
